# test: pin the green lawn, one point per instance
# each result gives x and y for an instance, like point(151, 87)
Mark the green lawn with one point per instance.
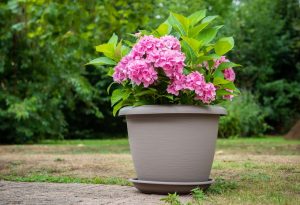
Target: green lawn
point(263, 145)
point(247, 171)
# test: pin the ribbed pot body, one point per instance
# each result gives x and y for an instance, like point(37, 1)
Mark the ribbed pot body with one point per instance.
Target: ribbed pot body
point(173, 147)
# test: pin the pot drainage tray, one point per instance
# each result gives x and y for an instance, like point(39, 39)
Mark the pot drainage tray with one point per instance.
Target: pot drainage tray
point(158, 187)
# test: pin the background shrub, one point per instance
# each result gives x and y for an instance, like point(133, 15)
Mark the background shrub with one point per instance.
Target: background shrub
point(245, 117)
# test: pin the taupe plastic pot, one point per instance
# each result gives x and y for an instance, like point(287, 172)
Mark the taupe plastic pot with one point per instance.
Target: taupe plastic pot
point(172, 143)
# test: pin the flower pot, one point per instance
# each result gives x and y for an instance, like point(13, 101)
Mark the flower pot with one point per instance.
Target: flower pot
point(172, 143)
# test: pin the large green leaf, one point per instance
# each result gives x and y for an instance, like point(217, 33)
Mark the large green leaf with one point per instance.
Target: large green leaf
point(116, 96)
point(208, 35)
point(205, 22)
point(193, 43)
point(102, 61)
point(117, 107)
point(164, 29)
point(108, 49)
point(196, 17)
point(118, 51)
point(220, 81)
point(188, 50)
point(226, 65)
point(179, 23)
point(223, 45)
point(113, 39)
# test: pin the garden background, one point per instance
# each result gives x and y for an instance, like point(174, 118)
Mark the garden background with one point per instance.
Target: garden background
point(47, 92)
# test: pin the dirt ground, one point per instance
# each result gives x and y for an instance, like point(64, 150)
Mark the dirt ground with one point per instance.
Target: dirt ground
point(71, 194)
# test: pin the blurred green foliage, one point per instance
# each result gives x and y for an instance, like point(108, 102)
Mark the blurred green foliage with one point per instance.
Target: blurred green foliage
point(47, 92)
point(245, 117)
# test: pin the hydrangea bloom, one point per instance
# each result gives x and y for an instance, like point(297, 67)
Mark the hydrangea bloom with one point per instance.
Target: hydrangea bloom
point(206, 92)
point(219, 61)
point(194, 81)
point(172, 62)
point(139, 71)
point(170, 42)
point(229, 74)
point(148, 54)
point(120, 73)
point(145, 45)
point(177, 84)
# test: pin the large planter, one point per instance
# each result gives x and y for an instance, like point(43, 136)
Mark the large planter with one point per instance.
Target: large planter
point(172, 146)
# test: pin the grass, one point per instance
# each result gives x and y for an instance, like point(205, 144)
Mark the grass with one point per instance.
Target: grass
point(67, 179)
point(247, 171)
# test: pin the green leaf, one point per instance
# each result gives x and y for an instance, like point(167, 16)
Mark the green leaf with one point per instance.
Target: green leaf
point(140, 102)
point(222, 92)
point(164, 29)
point(146, 92)
point(193, 43)
point(205, 22)
point(110, 71)
point(178, 22)
point(229, 86)
point(107, 49)
point(196, 17)
point(226, 65)
point(224, 45)
point(118, 51)
point(208, 35)
point(170, 97)
point(113, 39)
point(207, 57)
point(116, 96)
point(108, 88)
point(125, 50)
point(117, 107)
point(101, 61)
point(220, 81)
point(190, 54)
point(209, 19)
point(218, 73)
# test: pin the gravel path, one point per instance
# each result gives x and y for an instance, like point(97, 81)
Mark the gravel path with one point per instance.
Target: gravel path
point(52, 193)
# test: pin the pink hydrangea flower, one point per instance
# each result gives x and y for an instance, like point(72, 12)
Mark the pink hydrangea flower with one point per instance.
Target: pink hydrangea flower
point(120, 73)
point(141, 72)
point(194, 80)
point(170, 42)
point(177, 84)
point(172, 62)
point(206, 92)
point(145, 45)
point(229, 74)
point(219, 61)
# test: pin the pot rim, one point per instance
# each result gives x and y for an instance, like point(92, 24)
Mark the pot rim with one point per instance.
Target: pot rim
point(172, 109)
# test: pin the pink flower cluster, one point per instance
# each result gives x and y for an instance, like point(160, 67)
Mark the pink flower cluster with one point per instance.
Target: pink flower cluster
point(229, 74)
point(149, 54)
point(206, 92)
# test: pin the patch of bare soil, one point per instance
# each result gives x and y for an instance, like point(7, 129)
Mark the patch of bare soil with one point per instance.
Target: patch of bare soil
point(84, 165)
point(69, 194)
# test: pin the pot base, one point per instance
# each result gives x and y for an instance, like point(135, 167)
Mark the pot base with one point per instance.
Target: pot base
point(158, 187)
